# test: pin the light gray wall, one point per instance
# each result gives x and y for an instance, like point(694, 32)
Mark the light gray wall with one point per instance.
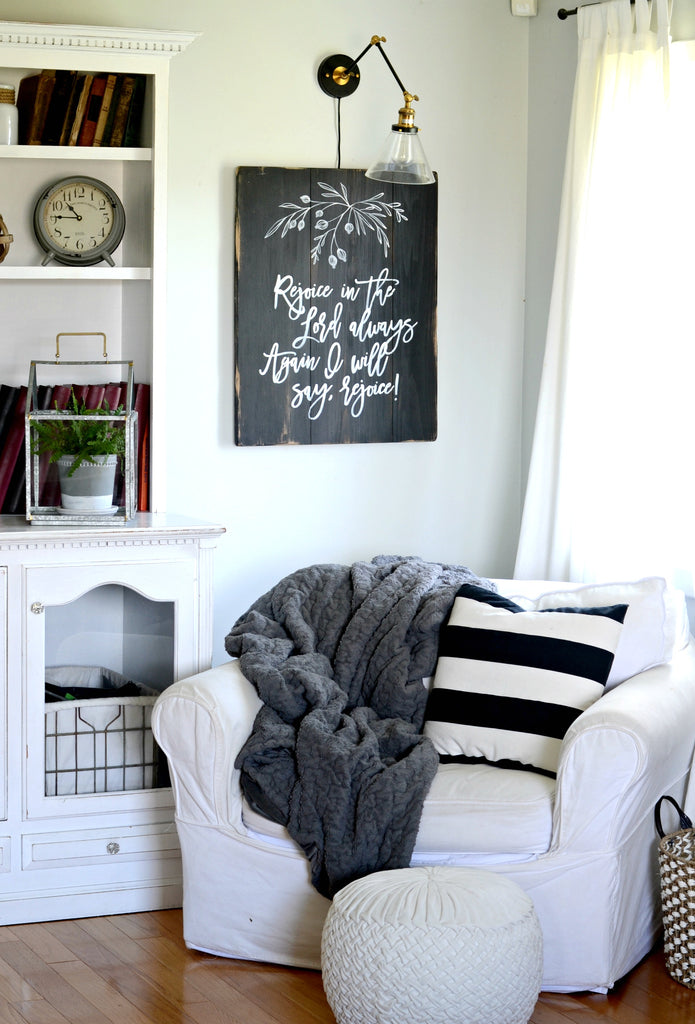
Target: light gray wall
point(245, 94)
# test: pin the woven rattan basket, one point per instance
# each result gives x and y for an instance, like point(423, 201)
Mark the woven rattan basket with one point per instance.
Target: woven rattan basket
point(677, 869)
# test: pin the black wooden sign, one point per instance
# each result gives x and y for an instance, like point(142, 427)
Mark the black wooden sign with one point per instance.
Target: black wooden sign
point(336, 280)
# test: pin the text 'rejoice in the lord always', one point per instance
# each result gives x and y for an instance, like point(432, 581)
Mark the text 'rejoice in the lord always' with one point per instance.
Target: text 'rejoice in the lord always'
point(359, 344)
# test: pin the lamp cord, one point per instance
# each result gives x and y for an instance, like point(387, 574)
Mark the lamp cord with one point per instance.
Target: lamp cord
point(338, 130)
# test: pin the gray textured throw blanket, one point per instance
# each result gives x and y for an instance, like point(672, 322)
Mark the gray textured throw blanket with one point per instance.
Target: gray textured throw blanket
point(337, 655)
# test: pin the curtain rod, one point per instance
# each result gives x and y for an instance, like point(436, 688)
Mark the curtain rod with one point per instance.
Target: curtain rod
point(564, 13)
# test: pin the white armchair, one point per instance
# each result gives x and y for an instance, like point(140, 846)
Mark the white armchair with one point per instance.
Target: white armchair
point(582, 846)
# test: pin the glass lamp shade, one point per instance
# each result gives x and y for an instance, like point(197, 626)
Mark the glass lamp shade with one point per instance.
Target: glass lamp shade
point(402, 160)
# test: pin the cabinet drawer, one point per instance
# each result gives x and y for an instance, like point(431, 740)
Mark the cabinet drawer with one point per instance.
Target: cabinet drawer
point(99, 846)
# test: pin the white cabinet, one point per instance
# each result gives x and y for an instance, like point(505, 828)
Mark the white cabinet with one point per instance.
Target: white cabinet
point(135, 600)
point(127, 302)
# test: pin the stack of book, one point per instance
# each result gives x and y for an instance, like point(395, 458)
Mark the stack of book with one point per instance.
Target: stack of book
point(74, 108)
point(13, 402)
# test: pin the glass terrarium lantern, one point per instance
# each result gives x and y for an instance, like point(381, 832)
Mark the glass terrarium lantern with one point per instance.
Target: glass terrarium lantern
point(74, 436)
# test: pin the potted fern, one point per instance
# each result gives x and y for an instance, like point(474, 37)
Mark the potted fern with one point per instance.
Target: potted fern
point(86, 452)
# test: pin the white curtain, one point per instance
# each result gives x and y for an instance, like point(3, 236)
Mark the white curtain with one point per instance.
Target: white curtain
point(610, 490)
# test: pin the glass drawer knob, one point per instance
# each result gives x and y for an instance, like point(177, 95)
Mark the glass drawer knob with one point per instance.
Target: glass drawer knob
point(37, 607)
point(112, 847)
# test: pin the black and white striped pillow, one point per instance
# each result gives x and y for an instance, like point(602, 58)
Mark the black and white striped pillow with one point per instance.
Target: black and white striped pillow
point(509, 682)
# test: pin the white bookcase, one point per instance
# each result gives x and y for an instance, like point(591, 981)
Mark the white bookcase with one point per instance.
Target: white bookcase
point(136, 599)
point(127, 302)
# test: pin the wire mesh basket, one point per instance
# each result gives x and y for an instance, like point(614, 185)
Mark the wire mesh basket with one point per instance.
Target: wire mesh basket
point(100, 744)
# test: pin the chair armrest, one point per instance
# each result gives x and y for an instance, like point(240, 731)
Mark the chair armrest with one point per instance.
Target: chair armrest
point(201, 723)
point(623, 753)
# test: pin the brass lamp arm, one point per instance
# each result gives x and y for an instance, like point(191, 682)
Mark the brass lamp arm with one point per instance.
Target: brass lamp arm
point(377, 41)
point(338, 76)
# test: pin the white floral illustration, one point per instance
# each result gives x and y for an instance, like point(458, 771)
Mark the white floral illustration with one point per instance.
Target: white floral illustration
point(335, 215)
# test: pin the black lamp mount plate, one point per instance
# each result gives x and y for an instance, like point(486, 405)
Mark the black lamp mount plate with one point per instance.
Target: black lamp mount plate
point(333, 79)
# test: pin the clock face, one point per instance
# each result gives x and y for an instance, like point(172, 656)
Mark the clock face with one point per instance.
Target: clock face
point(79, 221)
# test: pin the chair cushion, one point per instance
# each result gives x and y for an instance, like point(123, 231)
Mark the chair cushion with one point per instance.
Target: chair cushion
point(480, 809)
point(470, 809)
point(509, 683)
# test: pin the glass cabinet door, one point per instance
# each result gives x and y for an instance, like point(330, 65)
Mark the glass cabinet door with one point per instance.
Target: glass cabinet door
point(108, 654)
point(102, 642)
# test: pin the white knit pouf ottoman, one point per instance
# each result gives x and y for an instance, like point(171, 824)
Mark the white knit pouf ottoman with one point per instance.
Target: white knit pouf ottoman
point(432, 945)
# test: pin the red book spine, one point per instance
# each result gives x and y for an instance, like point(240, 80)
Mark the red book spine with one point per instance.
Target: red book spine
point(95, 396)
point(141, 404)
point(80, 393)
point(112, 395)
point(91, 117)
point(13, 444)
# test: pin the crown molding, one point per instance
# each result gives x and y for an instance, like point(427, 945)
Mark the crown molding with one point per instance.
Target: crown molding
point(95, 38)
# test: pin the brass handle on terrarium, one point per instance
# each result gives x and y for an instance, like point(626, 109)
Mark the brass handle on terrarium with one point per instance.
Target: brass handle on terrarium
point(80, 334)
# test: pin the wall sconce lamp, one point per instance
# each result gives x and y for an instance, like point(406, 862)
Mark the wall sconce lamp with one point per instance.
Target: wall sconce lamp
point(402, 159)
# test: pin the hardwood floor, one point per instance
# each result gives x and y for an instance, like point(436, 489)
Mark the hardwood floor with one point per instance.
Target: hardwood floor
point(136, 969)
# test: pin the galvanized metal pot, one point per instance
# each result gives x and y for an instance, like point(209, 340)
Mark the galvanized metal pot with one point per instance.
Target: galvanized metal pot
point(90, 488)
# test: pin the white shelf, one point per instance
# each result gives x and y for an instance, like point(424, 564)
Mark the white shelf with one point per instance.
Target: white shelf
point(75, 153)
point(60, 273)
